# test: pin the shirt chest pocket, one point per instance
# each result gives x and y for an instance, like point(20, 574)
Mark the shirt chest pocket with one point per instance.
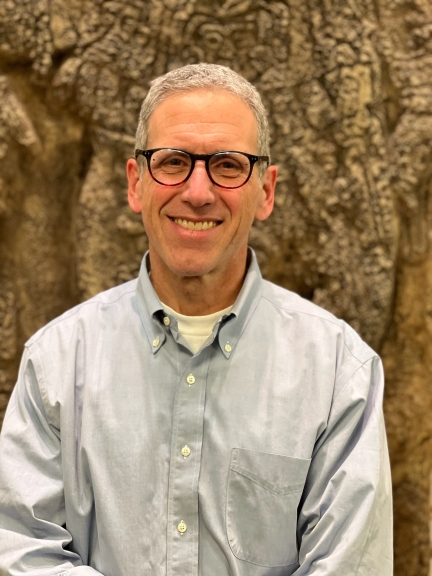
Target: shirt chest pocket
point(263, 494)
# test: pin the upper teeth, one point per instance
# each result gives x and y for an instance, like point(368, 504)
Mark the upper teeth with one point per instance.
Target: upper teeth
point(195, 225)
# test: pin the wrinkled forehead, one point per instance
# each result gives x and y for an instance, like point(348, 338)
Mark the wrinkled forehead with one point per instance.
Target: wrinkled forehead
point(216, 91)
point(202, 112)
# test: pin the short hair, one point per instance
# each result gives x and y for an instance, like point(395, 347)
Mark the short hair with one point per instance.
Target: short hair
point(208, 77)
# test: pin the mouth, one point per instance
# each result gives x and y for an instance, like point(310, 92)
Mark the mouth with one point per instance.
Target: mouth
point(189, 225)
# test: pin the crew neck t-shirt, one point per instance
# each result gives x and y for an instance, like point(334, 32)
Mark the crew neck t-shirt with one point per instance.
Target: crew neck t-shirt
point(196, 329)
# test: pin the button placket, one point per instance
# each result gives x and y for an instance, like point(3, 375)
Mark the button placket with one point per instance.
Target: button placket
point(185, 464)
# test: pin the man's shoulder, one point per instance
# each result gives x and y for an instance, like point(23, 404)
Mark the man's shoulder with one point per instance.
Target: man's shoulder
point(91, 312)
point(284, 299)
point(313, 322)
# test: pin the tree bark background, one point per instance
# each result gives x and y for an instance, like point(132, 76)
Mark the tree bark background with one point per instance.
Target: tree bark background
point(347, 84)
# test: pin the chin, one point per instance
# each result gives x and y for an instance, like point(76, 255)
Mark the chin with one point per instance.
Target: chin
point(190, 269)
point(191, 272)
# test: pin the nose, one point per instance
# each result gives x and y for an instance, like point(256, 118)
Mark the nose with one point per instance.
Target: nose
point(198, 189)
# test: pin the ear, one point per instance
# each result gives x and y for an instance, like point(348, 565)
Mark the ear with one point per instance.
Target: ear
point(268, 185)
point(134, 185)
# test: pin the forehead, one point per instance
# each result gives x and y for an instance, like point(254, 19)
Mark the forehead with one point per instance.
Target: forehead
point(204, 121)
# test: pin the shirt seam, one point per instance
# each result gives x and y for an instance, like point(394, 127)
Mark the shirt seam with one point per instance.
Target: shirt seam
point(266, 485)
point(369, 527)
point(35, 340)
point(41, 384)
point(320, 318)
point(352, 376)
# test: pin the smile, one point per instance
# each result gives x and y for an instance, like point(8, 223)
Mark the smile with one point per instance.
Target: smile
point(206, 225)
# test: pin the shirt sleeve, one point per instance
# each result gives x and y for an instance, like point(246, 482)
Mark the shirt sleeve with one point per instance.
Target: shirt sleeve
point(345, 516)
point(33, 534)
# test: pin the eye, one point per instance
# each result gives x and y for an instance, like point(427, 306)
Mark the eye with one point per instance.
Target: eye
point(174, 161)
point(230, 165)
point(170, 161)
point(227, 165)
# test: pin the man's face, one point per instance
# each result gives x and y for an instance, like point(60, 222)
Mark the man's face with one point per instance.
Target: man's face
point(200, 122)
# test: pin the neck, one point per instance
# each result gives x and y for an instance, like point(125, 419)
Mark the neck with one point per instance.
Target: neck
point(198, 295)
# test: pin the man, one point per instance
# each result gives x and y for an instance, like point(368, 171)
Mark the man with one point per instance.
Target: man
point(198, 420)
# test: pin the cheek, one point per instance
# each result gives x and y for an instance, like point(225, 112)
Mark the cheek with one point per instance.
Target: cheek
point(148, 198)
point(148, 213)
point(154, 200)
point(244, 207)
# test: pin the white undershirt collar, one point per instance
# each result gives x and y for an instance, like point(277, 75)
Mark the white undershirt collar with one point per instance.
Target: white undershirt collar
point(196, 329)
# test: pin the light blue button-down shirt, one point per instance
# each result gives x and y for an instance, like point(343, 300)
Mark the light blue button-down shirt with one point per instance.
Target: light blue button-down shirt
point(122, 453)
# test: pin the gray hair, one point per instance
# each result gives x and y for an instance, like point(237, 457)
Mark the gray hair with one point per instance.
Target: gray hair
point(208, 77)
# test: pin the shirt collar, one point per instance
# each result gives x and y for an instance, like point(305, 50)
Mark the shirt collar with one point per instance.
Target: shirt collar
point(243, 308)
point(231, 326)
point(150, 307)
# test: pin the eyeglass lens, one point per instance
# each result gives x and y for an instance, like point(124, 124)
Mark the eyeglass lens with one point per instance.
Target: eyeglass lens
point(174, 166)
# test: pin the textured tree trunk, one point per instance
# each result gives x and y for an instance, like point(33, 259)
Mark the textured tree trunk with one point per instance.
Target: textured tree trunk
point(348, 89)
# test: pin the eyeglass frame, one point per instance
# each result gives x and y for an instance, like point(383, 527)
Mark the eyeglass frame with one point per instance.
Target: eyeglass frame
point(253, 159)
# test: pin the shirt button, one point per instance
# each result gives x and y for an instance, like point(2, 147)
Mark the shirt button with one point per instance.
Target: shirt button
point(185, 451)
point(228, 347)
point(190, 379)
point(182, 527)
point(166, 321)
point(156, 342)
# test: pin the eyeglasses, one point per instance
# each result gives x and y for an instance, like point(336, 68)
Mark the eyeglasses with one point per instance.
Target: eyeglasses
point(172, 167)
